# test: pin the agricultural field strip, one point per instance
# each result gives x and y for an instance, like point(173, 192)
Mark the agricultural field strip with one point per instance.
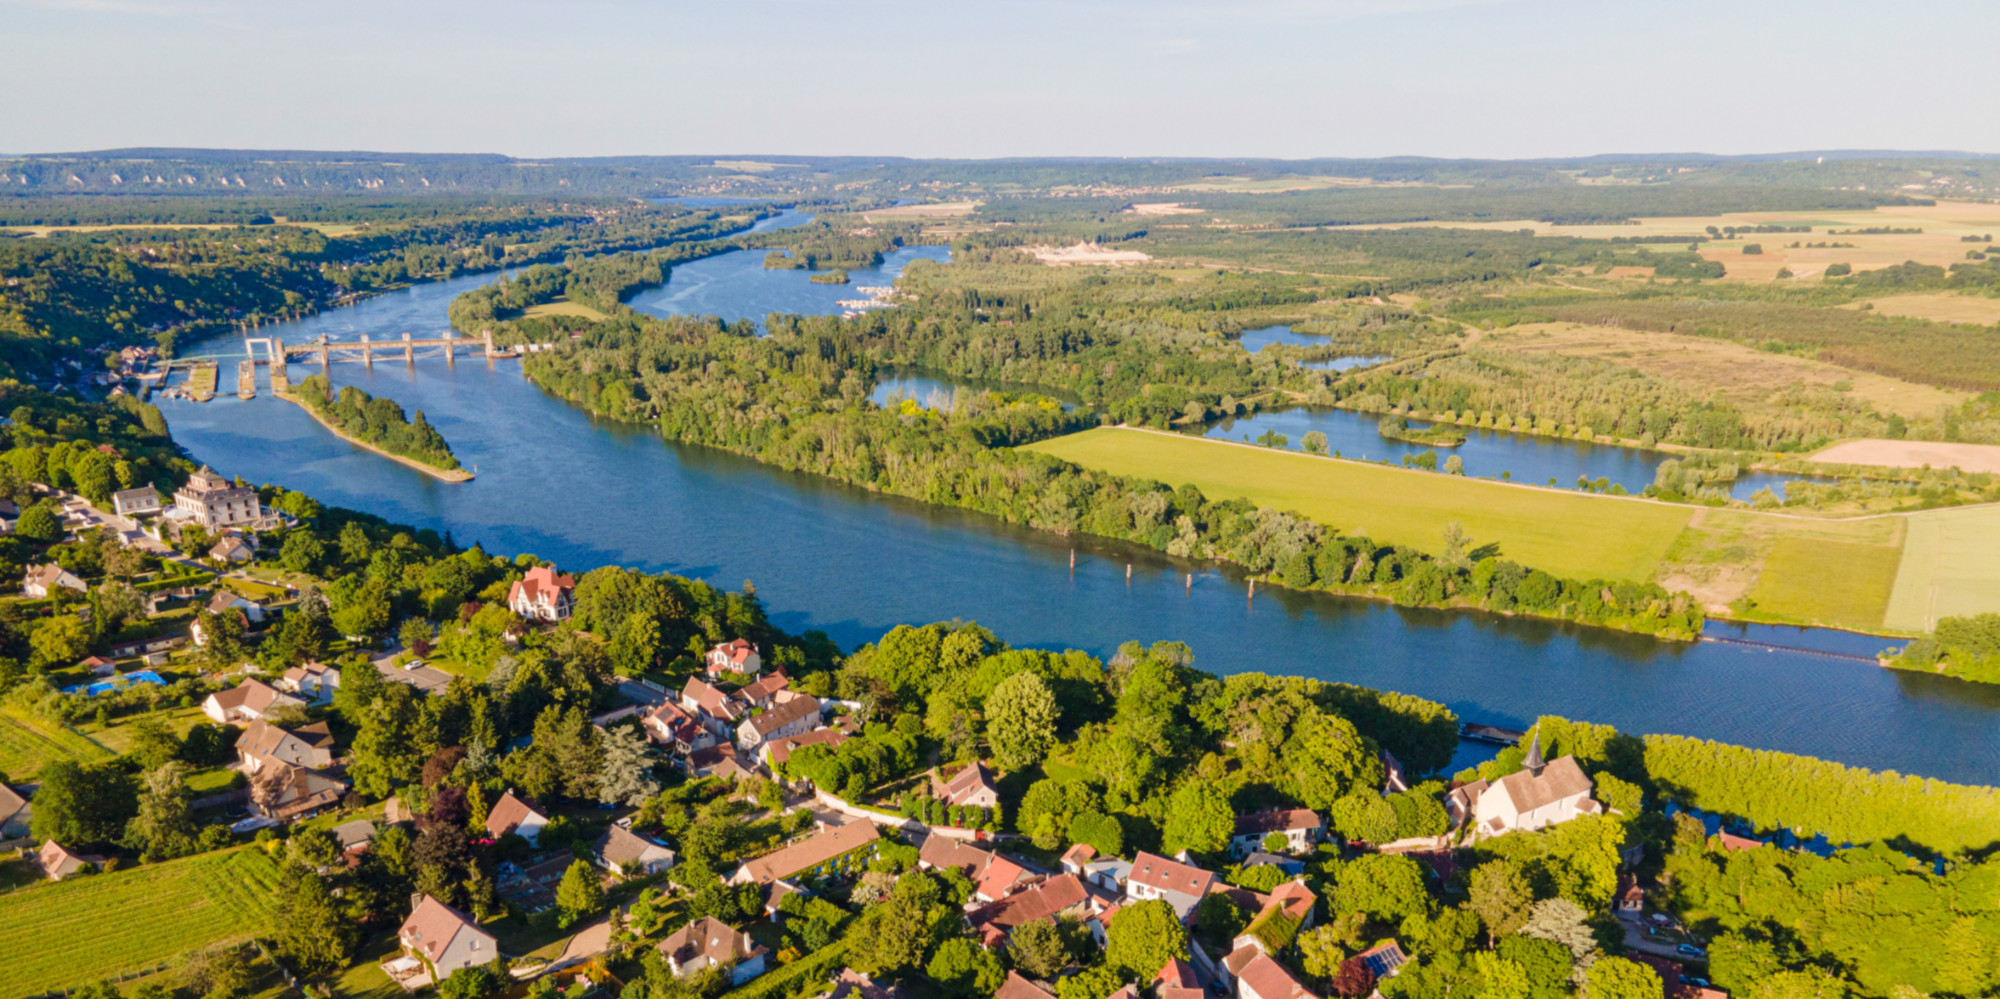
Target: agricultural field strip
point(1950, 567)
point(27, 743)
point(1568, 534)
point(107, 924)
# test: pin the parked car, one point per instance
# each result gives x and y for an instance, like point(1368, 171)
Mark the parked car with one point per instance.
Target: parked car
point(1690, 950)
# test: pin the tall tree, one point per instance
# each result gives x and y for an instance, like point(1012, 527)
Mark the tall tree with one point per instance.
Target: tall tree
point(82, 805)
point(313, 934)
point(1021, 721)
point(164, 826)
point(1198, 818)
point(1501, 897)
point(1143, 938)
point(580, 895)
point(627, 775)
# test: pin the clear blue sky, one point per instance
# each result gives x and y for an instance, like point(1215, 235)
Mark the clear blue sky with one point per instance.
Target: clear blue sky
point(1283, 78)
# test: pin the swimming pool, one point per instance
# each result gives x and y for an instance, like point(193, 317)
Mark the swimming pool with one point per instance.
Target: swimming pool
point(114, 683)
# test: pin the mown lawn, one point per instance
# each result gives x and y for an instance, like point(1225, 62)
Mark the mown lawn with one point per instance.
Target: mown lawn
point(1569, 534)
point(81, 930)
point(27, 743)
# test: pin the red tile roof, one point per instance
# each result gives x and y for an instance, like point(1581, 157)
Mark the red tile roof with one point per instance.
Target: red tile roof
point(1276, 820)
point(1270, 980)
point(507, 815)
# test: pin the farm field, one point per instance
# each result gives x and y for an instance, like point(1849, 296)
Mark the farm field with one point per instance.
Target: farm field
point(1841, 583)
point(1914, 454)
point(1950, 568)
point(1742, 374)
point(130, 920)
point(1833, 572)
point(27, 743)
point(1942, 307)
point(1565, 533)
point(1938, 244)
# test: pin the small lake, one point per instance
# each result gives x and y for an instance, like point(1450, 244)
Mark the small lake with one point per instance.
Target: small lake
point(1489, 454)
point(736, 285)
point(1256, 340)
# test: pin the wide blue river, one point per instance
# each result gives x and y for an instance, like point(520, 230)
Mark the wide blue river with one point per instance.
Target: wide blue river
point(553, 481)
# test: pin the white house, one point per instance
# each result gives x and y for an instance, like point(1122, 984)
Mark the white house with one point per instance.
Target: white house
point(1181, 885)
point(620, 849)
point(233, 549)
point(248, 701)
point(42, 581)
point(444, 940)
point(1301, 828)
point(738, 656)
point(709, 942)
point(227, 599)
point(135, 502)
point(512, 815)
point(541, 595)
point(210, 500)
point(1539, 795)
point(794, 717)
point(317, 681)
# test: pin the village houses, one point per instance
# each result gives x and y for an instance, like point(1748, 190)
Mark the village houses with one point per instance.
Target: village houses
point(135, 502)
point(972, 785)
point(316, 681)
point(623, 851)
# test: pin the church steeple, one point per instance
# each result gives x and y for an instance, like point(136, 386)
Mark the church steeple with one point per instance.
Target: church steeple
point(1534, 763)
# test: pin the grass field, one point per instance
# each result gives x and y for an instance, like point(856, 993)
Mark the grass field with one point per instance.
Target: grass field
point(26, 743)
point(1569, 534)
point(1843, 583)
point(565, 308)
point(64, 935)
point(1950, 568)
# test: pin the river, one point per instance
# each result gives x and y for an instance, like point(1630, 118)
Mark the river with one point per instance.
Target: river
point(553, 481)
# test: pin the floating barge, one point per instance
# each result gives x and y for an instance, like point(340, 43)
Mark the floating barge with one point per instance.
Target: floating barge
point(1492, 734)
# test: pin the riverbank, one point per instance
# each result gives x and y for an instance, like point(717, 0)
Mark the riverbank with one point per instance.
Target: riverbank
point(442, 474)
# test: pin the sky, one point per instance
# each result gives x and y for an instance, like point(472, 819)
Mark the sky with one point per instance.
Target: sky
point(952, 78)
